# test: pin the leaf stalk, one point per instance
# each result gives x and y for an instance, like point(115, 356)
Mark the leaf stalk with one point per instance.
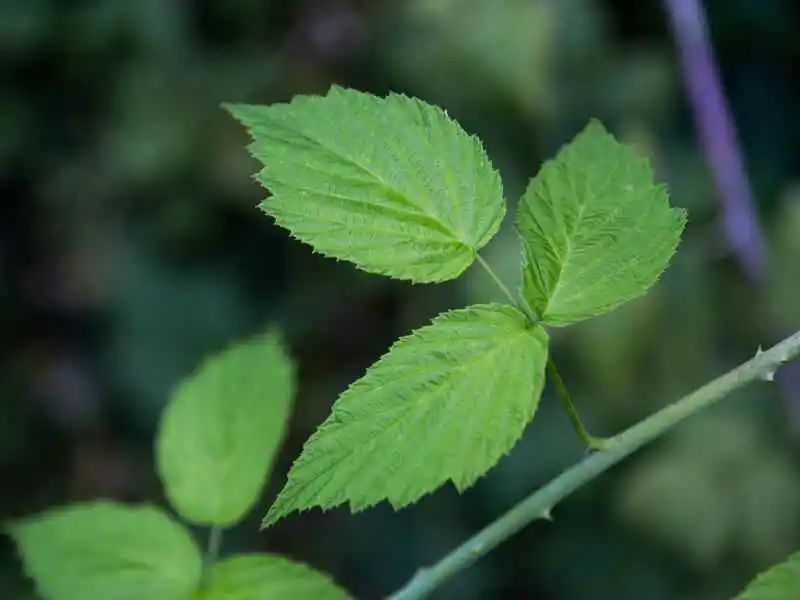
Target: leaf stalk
point(592, 442)
point(518, 302)
point(212, 552)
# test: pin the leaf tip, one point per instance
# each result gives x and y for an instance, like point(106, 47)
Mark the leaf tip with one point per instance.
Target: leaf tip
point(11, 528)
point(232, 108)
point(595, 124)
point(243, 113)
point(272, 517)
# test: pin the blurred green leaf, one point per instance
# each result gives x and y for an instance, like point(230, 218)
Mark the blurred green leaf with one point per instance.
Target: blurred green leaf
point(165, 319)
point(768, 500)
point(507, 55)
point(718, 485)
point(781, 582)
point(109, 551)
point(222, 428)
point(784, 286)
point(269, 577)
point(625, 340)
point(676, 503)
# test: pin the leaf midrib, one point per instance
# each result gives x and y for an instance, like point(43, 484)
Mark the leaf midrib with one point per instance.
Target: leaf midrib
point(346, 157)
point(422, 398)
point(588, 198)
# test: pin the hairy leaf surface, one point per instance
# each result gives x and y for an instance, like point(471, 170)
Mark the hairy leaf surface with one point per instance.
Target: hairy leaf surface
point(445, 403)
point(781, 582)
point(221, 429)
point(110, 551)
point(596, 231)
point(391, 184)
point(269, 577)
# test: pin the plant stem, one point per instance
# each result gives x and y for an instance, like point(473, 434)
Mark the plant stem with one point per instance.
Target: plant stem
point(212, 551)
point(518, 302)
point(499, 282)
point(540, 503)
point(593, 443)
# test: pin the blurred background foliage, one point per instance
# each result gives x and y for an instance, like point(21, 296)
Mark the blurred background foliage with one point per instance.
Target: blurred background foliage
point(130, 247)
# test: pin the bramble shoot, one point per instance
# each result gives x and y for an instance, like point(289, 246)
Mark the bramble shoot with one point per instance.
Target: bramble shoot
point(397, 188)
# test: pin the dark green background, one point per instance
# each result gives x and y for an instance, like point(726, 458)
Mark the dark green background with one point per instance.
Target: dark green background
point(130, 247)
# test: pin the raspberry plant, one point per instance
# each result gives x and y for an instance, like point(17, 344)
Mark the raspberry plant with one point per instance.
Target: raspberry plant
point(394, 186)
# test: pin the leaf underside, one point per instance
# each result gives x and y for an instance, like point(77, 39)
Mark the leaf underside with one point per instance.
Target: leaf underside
point(596, 231)
point(392, 184)
point(107, 550)
point(445, 403)
point(220, 432)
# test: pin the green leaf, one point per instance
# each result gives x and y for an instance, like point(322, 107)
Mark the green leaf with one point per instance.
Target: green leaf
point(445, 403)
point(109, 551)
point(596, 231)
point(391, 184)
point(781, 582)
point(219, 433)
point(269, 577)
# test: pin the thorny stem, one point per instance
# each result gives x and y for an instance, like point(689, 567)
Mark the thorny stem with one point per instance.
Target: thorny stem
point(540, 504)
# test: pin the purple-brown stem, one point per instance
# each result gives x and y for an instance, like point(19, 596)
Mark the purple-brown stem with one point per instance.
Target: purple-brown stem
point(717, 135)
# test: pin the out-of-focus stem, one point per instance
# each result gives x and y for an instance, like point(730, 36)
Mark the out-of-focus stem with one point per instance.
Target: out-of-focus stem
point(717, 135)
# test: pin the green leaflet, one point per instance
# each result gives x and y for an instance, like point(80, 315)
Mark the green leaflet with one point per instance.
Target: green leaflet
point(781, 582)
point(391, 184)
point(269, 577)
point(221, 429)
point(109, 551)
point(596, 231)
point(445, 403)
